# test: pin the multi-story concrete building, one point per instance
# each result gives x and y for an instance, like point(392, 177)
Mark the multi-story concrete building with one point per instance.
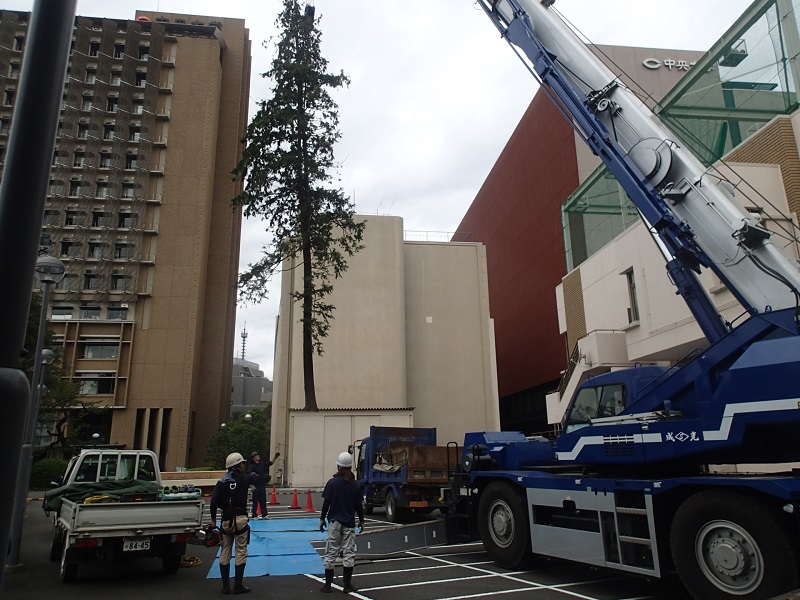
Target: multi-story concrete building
point(139, 210)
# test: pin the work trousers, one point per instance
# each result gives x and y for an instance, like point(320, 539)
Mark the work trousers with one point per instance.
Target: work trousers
point(340, 539)
point(241, 540)
point(259, 499)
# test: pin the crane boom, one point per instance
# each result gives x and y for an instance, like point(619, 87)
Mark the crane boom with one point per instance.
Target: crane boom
point(692, 212)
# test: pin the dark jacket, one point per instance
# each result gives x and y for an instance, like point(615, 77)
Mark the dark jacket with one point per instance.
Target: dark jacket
point(230, 495)
point(342, 500)
point(261, 471)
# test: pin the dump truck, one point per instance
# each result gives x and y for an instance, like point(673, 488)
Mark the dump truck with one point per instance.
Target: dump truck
point(402, 470)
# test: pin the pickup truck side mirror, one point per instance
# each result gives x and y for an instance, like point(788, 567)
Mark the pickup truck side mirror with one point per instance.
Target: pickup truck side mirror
point(57, 482)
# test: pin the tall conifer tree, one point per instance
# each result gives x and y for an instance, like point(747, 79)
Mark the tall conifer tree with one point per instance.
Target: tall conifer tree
point(286, 165)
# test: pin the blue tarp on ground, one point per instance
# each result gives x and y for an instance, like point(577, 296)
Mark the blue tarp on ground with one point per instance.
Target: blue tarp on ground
point(280, 547)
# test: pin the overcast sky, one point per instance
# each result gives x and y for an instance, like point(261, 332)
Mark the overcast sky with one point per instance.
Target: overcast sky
point(434, 96)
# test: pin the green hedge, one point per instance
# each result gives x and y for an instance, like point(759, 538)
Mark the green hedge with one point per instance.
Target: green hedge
point(45, 471)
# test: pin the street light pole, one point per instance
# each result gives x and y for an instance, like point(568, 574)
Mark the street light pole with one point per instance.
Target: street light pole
point(49, 270)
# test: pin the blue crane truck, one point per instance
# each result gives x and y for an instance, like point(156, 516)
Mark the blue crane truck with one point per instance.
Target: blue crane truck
point(402, 470)
point(627, 484)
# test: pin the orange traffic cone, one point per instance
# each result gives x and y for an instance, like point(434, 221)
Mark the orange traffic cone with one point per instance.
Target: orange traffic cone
point(274, 499)
point(295, 504)
point(309, 504)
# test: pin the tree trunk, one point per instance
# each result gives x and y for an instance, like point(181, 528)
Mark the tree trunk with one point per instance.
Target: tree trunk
point(308, 343)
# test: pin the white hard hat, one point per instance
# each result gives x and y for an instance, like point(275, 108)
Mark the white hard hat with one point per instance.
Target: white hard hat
point(234, 458)
point(345, 460)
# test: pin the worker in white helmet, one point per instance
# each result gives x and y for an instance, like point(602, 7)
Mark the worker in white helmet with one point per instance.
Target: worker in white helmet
point(230, 496)
point(341, 502)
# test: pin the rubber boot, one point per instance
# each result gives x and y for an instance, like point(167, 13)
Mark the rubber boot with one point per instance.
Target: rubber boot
point(238, 586)
point(225, 572)
point(328, 581)
point(348, 586)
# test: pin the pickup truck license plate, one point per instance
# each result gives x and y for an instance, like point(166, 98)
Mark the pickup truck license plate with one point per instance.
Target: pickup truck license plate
point(130, 544)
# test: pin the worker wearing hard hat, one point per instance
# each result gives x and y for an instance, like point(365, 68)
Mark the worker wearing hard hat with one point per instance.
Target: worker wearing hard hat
point(341, 502)
point(230, 496)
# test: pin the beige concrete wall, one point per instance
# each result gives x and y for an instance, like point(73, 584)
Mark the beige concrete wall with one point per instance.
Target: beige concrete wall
point(310, 465)
point(452, 384)
point(411, 344)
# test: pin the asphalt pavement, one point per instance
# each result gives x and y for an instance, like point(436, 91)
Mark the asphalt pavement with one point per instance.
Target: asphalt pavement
point(457, 572)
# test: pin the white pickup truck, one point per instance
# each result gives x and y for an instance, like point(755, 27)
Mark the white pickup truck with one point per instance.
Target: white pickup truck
point(110, 505)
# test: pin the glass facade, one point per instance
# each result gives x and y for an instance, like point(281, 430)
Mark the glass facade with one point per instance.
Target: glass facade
point(747, 78)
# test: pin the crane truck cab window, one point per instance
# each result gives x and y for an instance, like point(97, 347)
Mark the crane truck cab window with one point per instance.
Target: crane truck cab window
point(593, 403)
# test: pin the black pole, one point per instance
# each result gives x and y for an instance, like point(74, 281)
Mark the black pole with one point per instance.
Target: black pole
point(23, 192)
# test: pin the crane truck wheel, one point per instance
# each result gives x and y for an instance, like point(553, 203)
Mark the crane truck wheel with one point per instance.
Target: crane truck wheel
point(367, 506)
point(503, 525)
point(726, 545)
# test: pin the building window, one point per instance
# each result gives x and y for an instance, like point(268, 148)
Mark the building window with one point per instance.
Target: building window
point(91, 281)
point(8, 98)
point(134, 133)
point(69, 248)
point(123, 250)
point(61, 312)
point(119, 49)
point(128, 190)
point(79, 159)
point(72, 217)
point(138, 106)
point(98, 218)
point(105, 159)
point(108, 131)
point(95, 250)
point(96, 383)
point(51, 217)
point(141, 78)
point(144, 52)
point(131, 162)
point(118, 282)
point(94, 48)
point(19, 42)
point(125, 220)
point(86, 103)
point(13, 71)
point(633, 308)
point(91, 75)
point(111, 106)
point(116, 77)
point(102, 189)
point(116, 313)
point(5, 126)
point(68, 283)
point(74, 190)
point(83, 131)
point(100, 351)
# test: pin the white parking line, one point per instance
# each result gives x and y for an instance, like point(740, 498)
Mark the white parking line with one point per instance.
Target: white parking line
point(415, 569)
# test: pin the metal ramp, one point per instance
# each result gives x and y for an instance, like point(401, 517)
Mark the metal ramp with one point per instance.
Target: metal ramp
point(379, 542)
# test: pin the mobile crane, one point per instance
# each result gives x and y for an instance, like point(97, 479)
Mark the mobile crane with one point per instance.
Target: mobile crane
point(627, 484)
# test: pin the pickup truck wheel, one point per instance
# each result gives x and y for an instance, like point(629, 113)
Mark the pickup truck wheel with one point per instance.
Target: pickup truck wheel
point(728, 545)
point(171, 563)
point(503, 525)
point(69, 570)
point(56, 544)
